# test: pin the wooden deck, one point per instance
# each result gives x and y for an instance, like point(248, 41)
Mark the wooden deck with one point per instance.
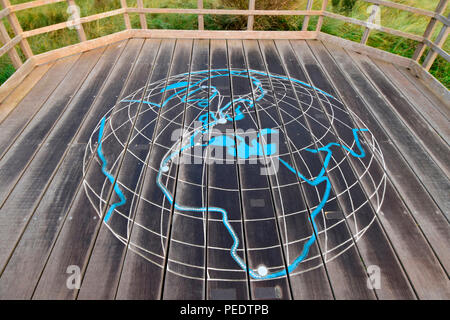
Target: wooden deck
point(386, 213)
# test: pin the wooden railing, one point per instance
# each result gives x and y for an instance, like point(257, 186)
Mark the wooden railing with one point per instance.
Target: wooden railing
point(425, 41)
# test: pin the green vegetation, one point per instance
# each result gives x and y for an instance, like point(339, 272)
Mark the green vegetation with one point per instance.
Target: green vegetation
point(392, 18)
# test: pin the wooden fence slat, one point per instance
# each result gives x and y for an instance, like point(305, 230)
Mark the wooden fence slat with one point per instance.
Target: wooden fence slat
point(63, 25)
point(126, 17)
point(306, 20)
point(142, 16)
point(12, 18)
point(320, 21)
point(432, 55)
point(201, 22)
point(251, 19)
point(8, 45)
point(429, 30)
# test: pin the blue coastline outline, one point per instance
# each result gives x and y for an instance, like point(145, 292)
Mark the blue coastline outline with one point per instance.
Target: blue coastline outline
point(242, 150)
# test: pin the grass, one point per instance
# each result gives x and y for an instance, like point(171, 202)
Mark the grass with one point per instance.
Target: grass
point(392, 18)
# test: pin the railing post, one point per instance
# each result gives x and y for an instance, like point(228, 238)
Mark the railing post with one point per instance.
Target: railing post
point(250, 19)
point(440, 40)
point(320, 21)
point(370, 21)
point(429, 30)
point(12, 18)
point(13, 55)
point(126, 17)
point(201, 22)
point(142, 16)
point(78, 26)
point(306, 19)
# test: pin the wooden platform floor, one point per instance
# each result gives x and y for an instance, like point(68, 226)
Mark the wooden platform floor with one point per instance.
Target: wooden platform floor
point(355, 204)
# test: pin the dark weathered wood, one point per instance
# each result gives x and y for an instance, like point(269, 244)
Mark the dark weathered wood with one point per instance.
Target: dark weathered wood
point(430, 141)
point(18, 208)
point(189, 228)
point(223, 192)
point(347, 273)
point(423, 269)
point(423, 106)
point(54, 195)
point(83, 222)
point(171, 121)
point(46, 222)
point(147, 280)
point(13, 99)
point(443, 106)
point(264, 245)
point(434, 226)
point(308, 281)
point(23, 113)
point(144, 262)
point(18, 157)
point(105, 264)
point(435, 180)
point(373, 245)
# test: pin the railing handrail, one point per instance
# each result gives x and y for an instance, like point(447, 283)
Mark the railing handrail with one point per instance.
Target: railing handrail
point(20, 36)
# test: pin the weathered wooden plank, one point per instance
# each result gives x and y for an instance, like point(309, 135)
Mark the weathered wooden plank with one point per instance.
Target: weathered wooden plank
point(51, 210)
point(81, 227)
point(148, 122)
point(434, 226)
point(32, 251)
point(22, 90)
point(346, 271)
point(171, 120)
point(16, 160)
point(309, 280)
point(105, 264)
point(422, 105)
point(223, 34)
point(151, 238)
point(189, 227)
point(431, 142)
point(264, 247)
point(82, 47)
point(18, 208)
point(144, 262)
point(373, 245)
point(441, 105)
point(225, 278)
point(24, 112)
point(16, 78)
point(428, 171)
point(360, 48)
point(425, 273)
